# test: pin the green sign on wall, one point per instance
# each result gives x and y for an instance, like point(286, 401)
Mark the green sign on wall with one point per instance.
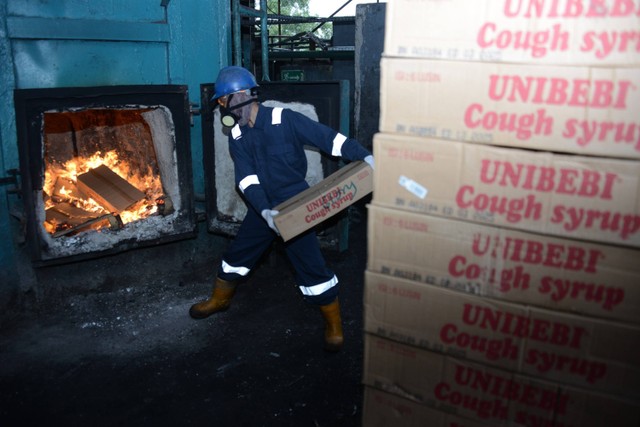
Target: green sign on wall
point(292, 75)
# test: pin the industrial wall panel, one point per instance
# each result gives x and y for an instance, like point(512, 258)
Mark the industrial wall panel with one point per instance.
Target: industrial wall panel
point(120, 10)
point(62, 63)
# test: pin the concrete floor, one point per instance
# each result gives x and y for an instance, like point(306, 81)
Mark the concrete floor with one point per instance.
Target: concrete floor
point(126, 353)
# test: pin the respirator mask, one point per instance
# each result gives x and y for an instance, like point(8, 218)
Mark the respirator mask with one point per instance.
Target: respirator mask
point(239, 113)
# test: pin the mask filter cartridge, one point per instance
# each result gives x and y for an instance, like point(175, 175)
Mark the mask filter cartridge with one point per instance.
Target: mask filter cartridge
point(227, 118)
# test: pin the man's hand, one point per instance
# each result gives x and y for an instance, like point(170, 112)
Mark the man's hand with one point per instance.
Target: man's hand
point(369, 159)
point(268, 215)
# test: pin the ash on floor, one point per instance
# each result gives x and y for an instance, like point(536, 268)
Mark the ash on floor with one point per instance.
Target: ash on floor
point(128, 354)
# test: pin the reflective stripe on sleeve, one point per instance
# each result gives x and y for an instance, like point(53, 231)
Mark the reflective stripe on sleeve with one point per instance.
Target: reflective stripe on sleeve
point(336, 150)
point(247, 181)
point(242, 271)
point(319, 288)
point(276, 116)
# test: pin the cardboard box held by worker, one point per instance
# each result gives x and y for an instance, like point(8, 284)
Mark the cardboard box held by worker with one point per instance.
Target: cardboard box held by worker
point(324, 200)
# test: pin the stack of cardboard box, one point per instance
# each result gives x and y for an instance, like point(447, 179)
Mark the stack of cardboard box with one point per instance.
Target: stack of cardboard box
point(503, 282)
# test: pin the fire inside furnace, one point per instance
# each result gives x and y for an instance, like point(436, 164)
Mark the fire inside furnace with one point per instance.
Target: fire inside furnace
point(101, 170)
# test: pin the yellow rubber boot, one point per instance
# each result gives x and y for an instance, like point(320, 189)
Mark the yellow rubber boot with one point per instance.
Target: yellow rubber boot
point(333, 338)
point(220, 300)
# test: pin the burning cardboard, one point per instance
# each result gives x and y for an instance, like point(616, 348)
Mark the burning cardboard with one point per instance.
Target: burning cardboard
point(65, 189)
point(109, 189)
point(66, 213)
point(114, 222)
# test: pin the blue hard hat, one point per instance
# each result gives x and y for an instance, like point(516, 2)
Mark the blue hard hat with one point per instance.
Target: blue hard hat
point(233, 79)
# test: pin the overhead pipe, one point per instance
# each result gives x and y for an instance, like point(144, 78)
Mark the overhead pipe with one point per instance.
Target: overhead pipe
point(237, 39)
point(264, 36)
point(313, 54)
point(238, 11)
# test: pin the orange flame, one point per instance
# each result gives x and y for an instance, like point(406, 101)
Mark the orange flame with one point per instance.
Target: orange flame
point(146, 181)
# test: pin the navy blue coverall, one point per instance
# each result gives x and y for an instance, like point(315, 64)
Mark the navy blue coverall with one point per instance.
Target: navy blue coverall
point(270, 167)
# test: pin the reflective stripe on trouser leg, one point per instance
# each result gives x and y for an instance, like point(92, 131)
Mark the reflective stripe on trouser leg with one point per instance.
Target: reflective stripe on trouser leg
point(232, 269)
point(322, 293)
point(253, 238)
point(318, 284)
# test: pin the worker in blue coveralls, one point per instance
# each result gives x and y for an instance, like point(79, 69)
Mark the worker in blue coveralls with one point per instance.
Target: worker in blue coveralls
point(267, 148)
